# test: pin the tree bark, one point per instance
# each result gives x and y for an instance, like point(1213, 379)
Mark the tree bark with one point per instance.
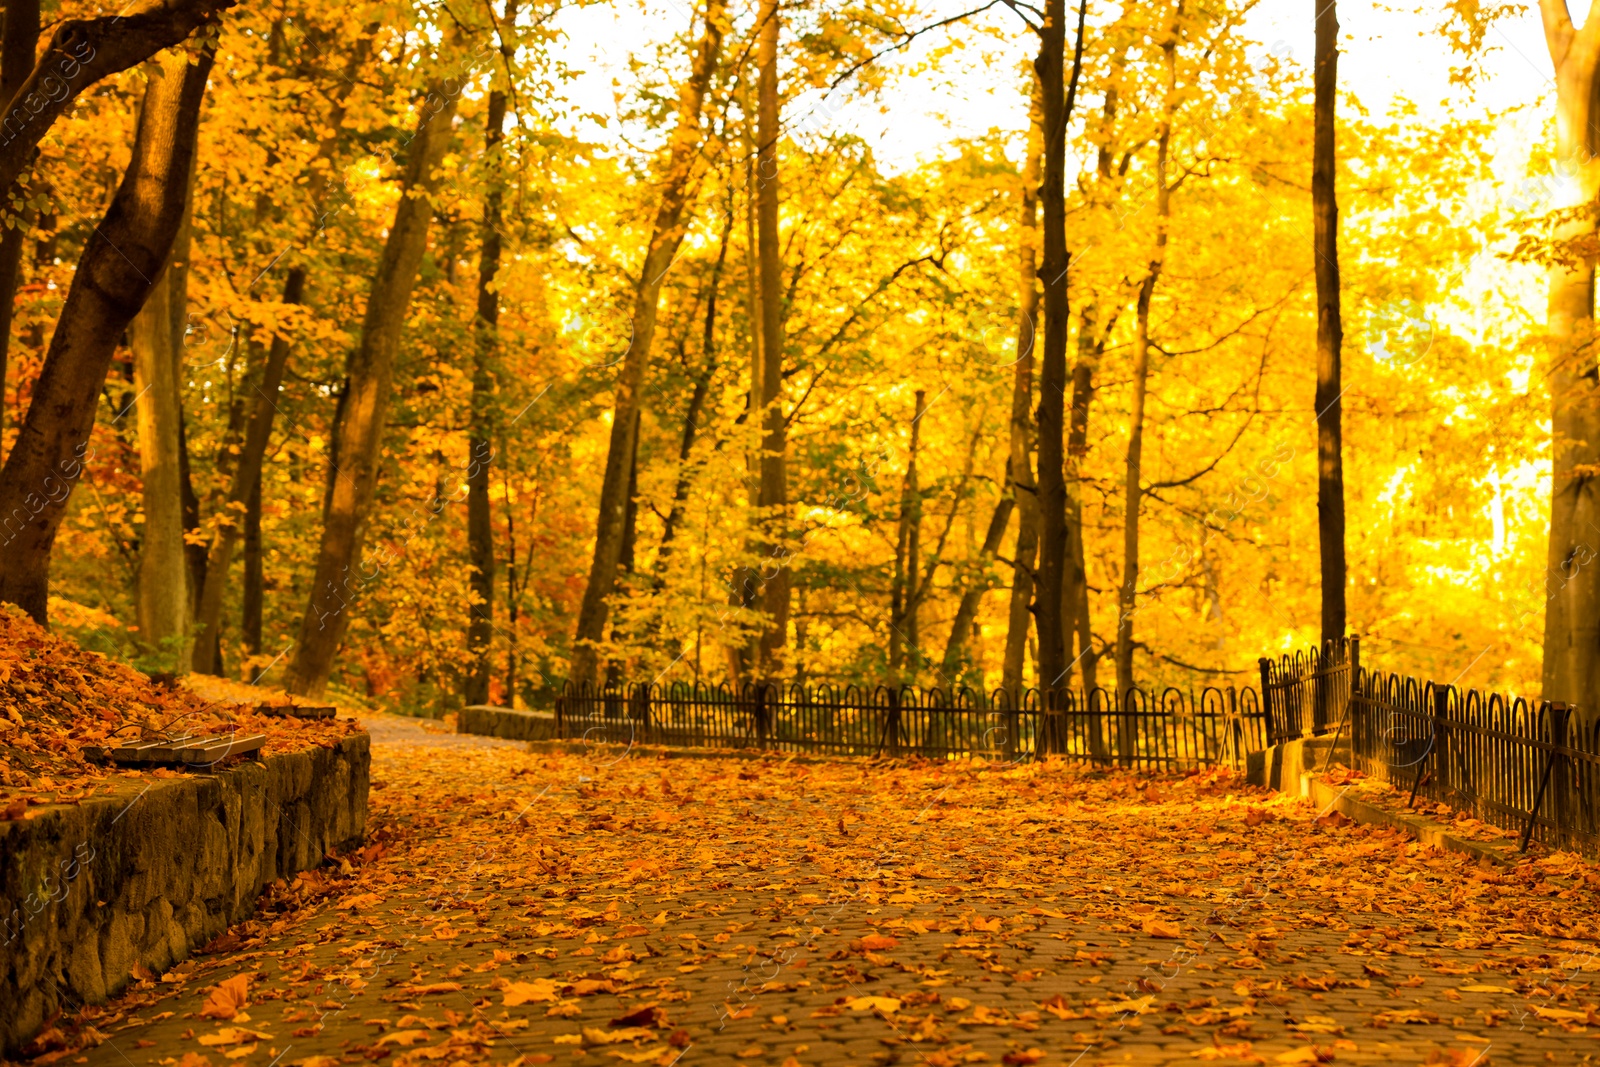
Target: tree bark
point(1050, 416)
point(955, 648)
point(254, 583)
point(1127, 598)
point(163, 586)
point(480, 446)
point(359, 435)
point(20, 41)
point(1330, 328)
point(1572, 612)
point(774, 499)
point(113, 279)
point(1075, 592)
point(665, 238)
point(1019, 464)
point(246, 481)
point(902, 593)
point(83, 51)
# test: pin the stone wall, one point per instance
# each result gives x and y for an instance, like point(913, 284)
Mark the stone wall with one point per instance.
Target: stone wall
point(157, 868)
point(507, 723)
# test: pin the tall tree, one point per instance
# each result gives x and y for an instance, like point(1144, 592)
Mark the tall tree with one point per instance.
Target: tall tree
point(1330, 327)
point(665, 237)
point(1572, 611)
point(358, 435)
point(1019, 463)
point(908, 537)
point(163, 587)
point(774, 496)
point(1128, 594)
point(480, 446)
point(1051, 415)
point(17, 46)
point(245, 486)
point(114, 276)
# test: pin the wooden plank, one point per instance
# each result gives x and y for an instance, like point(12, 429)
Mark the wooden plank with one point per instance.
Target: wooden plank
point(188, 749)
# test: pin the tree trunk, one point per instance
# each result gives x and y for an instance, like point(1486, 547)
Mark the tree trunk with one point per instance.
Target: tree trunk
point(1572, 612)
point(246, 481)
point(20, 41)
point(1050, 418)
point(163, 601)
point(120, 257)
point(254, 585)
point(955, 647)
point(359, 434)
point(774, 499)
point(480, 446)
point(1091, 346)
point(1128, 595)
point(83, 51)
point(691, 415)
point(902, 593)
point(664, 241)
point(1330, 328)
point(1019, 464)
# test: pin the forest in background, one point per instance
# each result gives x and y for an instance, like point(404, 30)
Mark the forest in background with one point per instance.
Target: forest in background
point(816, 357)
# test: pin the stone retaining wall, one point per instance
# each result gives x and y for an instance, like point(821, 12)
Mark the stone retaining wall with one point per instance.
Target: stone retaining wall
point(159, 867)
point(507, 723)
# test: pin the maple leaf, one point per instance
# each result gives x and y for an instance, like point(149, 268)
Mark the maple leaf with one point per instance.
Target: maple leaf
point(534, 992)
point(227, 997)
point(1162, 928)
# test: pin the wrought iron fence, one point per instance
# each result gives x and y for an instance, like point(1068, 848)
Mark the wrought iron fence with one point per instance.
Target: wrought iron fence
point(1170, 730)
point(1524, 766)
point(1308, 692)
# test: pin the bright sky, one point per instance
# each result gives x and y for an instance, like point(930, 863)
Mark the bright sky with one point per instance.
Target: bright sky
point(1387, 52)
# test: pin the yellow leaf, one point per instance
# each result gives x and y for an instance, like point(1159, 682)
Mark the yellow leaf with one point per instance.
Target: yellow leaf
point(887, 1005)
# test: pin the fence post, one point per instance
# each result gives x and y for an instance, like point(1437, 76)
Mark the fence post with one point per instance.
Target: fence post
point(561, 702)
point(1441, 739)
point(1558, 738)
point(1266, 701)
point(761, 715)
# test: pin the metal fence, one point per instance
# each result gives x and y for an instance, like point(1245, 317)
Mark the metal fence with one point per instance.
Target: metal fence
point(1308, 693)
point(1170, 730)
point(1524, 766)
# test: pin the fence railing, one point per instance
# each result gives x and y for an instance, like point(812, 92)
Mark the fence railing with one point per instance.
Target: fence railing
point(1307, 693)
point(1169, 730)
point(1524, 766)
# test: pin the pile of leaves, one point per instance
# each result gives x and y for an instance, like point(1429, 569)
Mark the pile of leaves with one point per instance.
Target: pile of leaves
point(56, 699)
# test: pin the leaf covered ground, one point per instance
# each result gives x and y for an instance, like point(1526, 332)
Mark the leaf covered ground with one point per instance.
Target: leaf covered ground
point(531, 907)
point(56, 698)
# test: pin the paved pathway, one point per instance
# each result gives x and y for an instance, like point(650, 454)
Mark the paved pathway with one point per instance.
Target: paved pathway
point(536, 908)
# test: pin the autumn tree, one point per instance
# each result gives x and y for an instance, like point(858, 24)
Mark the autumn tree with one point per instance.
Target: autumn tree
point(128, 249)
point(611, 525)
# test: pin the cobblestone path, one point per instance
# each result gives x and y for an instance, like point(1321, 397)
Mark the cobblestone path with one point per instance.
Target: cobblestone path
point(530, 908)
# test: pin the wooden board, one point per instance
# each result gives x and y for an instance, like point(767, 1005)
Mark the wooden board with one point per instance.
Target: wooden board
point(297, 711)
point(189, 750)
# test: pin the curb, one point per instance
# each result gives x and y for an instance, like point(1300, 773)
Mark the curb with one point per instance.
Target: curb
point(1425, 830)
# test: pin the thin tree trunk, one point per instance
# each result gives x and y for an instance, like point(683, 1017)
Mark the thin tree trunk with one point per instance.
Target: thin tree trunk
point(20, 42)
point(665, 238)
point(359, 434)
point(124, 252)
point(163, 586)
point(1019, 464)
point(955, 647)
point(254, 584)
point(1050, 418)
point(1128, 596)
point(902, 593)
point(480, 446)
point(774, 499)
point(246, 481)
point(1572, 611)
point(1330, 328)
point(1075, 608)
point(744, 592)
